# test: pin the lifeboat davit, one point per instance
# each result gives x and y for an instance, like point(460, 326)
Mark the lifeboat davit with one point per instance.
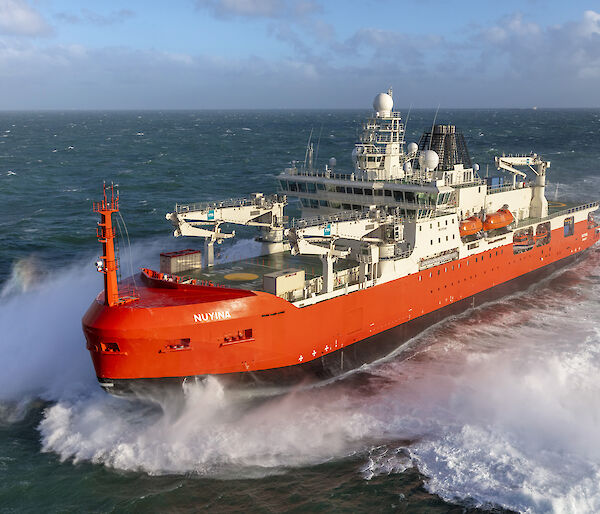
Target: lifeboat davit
point(470, 226)
point(498, 219)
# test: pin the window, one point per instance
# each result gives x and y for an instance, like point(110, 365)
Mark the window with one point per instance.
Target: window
point(323, 203)
point(312, 187)
point(388, 192)
point(358, 191)
point(410, 196)
point(293, 186)
point(346, 206)
point(398, 196)
point(340, 189)
point(320, 186)
point(305, 202)
point(369, 192)
point(314, 204)
point(301, 187)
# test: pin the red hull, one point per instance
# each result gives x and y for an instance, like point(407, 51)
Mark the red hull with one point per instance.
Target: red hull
point(180, 331)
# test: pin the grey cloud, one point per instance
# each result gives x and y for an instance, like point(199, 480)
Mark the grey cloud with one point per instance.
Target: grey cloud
point(267, 9)
point(18, 18)
point(94, 18)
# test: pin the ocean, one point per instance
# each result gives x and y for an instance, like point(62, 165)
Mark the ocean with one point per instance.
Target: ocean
point(495, 410)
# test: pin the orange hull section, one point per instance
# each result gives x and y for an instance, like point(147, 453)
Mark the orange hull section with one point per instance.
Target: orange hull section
point(177, 332)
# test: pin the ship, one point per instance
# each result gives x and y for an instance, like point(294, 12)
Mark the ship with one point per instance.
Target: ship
point(410, 235)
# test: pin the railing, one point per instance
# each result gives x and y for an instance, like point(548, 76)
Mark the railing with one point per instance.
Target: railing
point(260, 201)
point(573, 209)
point(332, 218)
point(509, 187)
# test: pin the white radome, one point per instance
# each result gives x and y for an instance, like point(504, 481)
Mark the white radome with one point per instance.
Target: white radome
point(412, 148)
point(475, 167)
point(429, 159)
point(332, 162)
point(383, 103)
point(407, 167)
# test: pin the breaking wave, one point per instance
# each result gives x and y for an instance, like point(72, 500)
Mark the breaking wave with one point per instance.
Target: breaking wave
point(499, 407)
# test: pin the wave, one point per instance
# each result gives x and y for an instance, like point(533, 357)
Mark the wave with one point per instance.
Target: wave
point(498, 407)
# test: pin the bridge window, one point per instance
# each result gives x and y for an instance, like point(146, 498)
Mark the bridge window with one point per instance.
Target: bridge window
point(410, 196)
point(293, 186)
point(369, 192)
point(314, 204)
point(398, 196)
point(358, 191)
point(323, 203)
point(312, 188)
point(388, 192)
point(305, 202)
point(320, 186)
point(340, 189)
point(378, 192)
point(331, 188)
point(301, 187)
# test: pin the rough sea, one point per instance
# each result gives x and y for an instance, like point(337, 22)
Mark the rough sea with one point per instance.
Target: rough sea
point(498, 409)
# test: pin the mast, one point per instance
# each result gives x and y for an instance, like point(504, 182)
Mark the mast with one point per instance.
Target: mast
point(105, 232)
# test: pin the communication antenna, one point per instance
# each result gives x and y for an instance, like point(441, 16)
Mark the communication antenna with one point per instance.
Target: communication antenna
point(307, 147)
point(318, 143)
point(407, 118)
point(433, 125)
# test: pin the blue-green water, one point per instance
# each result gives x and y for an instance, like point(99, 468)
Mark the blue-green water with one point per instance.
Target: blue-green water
point(497, 409)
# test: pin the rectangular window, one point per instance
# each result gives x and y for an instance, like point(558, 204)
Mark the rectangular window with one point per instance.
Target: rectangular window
point(340, 189)
point(369, 192)
point(320, 186)
point(314, 204)
point(358, 191)
point(312, 187)
point(388, 192)
point(378, 192)
point(293, 186)
point(301, 187)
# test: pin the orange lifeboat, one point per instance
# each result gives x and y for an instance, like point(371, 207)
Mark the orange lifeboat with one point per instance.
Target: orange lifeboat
point(498, 219)
point(470, 226)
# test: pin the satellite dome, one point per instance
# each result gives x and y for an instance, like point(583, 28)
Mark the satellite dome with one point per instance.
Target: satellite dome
point(383, 104)
point(412, 148)
point(429, 159)
point(407, 167)
point(475, 167)
point(332, 162)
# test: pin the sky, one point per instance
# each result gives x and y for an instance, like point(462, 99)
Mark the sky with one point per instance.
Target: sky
point(272, 54)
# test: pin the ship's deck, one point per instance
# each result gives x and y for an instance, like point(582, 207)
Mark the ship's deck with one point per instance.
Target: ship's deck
point(248, 273)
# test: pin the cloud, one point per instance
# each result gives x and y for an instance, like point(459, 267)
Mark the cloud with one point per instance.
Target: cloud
point(550, 53)
point(94, 18)
point(17, 18)
point(269, 9)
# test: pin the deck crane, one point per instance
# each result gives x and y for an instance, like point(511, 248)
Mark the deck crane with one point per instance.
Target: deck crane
point(349, 235)
point(205, 220)
point(539, 204)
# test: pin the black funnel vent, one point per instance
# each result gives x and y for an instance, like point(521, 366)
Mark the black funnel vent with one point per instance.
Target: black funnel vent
point(448, 144)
